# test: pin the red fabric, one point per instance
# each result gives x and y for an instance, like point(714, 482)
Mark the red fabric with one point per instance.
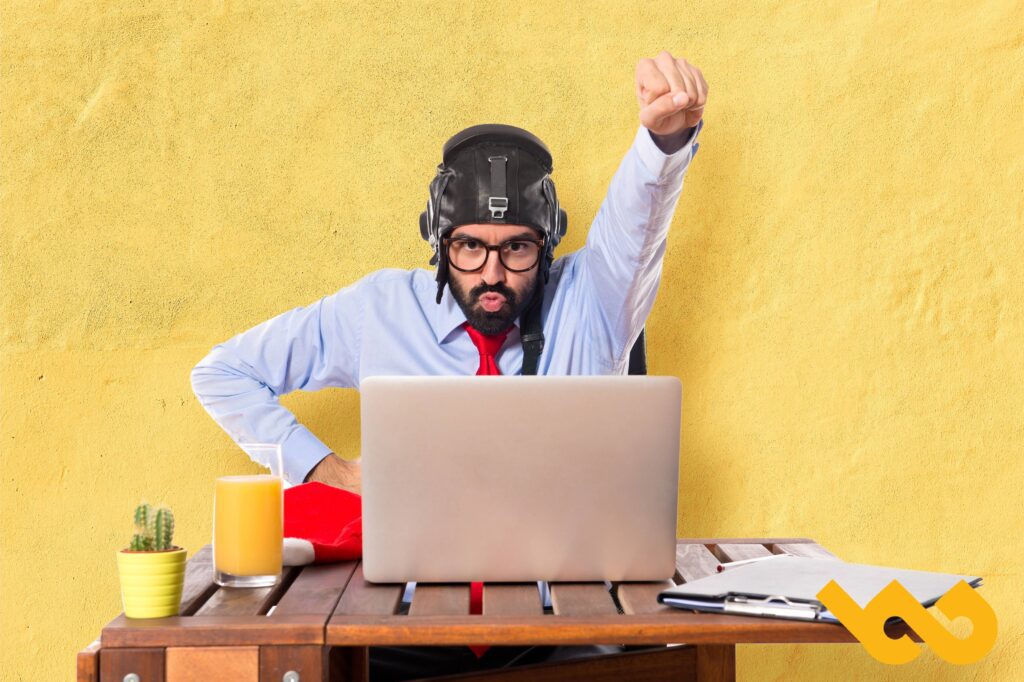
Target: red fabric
point(330, 518)
point(488, 345)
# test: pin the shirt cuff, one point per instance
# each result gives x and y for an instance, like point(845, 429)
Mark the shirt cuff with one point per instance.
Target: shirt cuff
point(301, 451)
point(663, 165)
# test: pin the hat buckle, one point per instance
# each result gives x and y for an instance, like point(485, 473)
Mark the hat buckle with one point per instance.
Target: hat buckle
point(497, 206)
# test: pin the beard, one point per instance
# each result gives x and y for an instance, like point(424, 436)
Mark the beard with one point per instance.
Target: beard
point(487, 322)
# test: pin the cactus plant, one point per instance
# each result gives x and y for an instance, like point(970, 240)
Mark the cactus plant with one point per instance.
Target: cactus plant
point(143, 513)
point(163, 530)
point(154, 530)
point(152, 568)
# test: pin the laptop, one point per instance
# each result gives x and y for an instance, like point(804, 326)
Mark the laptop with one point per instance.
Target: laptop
point(519, 479)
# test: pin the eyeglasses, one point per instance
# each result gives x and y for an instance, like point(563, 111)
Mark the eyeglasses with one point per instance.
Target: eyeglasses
point(516, 255)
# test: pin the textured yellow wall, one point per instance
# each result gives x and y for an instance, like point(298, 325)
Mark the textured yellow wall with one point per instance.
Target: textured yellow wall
point(842, 295)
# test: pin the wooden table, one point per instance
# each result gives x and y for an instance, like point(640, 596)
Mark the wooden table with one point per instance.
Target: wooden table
point(317, 623)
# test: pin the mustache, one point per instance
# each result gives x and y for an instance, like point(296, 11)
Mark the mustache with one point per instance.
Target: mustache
point(497, 288)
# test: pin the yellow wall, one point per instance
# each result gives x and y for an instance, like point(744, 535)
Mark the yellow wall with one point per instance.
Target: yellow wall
point(842, 295)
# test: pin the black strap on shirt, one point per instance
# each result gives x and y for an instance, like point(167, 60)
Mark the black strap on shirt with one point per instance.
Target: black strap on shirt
point(533, 337)
point(533, 345)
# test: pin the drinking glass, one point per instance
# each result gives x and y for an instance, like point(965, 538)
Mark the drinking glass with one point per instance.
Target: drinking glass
point(248, 523)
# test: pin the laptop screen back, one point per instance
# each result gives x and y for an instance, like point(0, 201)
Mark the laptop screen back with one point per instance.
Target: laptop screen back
point(517, 479)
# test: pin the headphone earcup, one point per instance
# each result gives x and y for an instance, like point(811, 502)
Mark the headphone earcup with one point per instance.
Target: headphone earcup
point(424, 226)
point(563, 222)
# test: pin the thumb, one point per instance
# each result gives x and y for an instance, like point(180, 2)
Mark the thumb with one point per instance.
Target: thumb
point(666, 105)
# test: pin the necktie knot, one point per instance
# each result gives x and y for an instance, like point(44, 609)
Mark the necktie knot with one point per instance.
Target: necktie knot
point(487, 344)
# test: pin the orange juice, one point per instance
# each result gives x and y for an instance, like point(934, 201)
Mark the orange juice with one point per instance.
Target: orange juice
point(248, 530)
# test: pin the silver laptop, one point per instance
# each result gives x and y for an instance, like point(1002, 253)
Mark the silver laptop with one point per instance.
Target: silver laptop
point(518, 479)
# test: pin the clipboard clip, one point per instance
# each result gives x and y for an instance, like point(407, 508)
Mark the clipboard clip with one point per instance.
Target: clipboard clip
point(775, 605)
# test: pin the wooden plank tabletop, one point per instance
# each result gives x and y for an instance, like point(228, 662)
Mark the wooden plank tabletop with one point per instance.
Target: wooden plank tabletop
point(334, 604)
point(581, 613)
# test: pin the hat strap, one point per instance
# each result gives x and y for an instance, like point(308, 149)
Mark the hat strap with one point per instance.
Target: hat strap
point(498, 202)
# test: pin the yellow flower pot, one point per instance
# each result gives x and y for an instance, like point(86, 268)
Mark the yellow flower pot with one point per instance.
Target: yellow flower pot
point(151, 582)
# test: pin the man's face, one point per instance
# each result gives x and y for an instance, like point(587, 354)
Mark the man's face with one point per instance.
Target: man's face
point(493, 296)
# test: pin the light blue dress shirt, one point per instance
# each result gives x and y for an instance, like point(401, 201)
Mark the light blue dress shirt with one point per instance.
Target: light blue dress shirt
point(595, 304)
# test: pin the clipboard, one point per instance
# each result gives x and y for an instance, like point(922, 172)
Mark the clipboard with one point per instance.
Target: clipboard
point(786, 586)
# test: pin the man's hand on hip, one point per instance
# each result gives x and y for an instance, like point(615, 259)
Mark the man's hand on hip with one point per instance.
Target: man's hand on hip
point(335, 471)
point(671, 93)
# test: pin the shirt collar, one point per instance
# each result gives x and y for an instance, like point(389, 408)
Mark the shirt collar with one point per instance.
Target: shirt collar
point(447, 317)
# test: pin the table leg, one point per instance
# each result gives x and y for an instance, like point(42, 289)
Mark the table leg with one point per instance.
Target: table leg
point(88, 663)
point(348, 664)
point(716, 662)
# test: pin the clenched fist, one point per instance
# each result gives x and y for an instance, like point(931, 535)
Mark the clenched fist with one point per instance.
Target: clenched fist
point(671, 93)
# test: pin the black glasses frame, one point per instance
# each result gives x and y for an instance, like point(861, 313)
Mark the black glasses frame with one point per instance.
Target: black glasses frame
point(492, 247)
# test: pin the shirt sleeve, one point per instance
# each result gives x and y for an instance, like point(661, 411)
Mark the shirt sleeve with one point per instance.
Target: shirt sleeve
point(240, 380)
point(622, 260)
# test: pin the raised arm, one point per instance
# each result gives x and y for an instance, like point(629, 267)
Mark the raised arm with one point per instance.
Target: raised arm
point(240, 380)
point(622, 260)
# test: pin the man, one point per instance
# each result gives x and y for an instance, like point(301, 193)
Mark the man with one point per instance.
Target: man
point(498, 302)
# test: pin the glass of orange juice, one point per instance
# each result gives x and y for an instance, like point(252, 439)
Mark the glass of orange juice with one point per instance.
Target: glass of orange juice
point(248, 523)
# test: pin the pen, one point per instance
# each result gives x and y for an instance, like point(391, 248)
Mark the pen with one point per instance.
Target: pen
point(734, 564)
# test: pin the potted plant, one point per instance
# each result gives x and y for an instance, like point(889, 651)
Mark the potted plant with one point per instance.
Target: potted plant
point(152, 568)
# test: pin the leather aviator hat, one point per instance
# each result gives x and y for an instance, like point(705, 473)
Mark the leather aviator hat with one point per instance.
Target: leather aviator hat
point(492, 173)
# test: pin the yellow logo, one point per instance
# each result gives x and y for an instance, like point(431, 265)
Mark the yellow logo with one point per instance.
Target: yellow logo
point(867, 624)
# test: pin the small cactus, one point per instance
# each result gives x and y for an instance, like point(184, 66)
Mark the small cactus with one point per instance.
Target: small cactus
point(143, 514)
point(154, 531)
point(141, 543)
point(164, 529)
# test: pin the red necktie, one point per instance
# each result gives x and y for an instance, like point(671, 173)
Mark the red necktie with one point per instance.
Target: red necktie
point(488, 345)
